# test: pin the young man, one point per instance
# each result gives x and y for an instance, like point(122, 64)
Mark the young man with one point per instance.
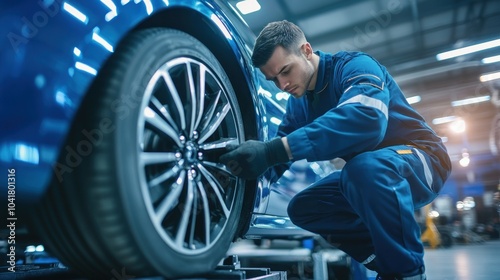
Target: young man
point(348, 106)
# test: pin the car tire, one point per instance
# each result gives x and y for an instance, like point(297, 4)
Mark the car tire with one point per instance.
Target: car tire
point(137, 189)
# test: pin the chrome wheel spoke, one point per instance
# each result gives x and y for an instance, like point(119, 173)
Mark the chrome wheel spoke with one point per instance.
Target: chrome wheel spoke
point(183, 224)
point(214, 123)
point(155, 158)
point(210, 110)
point(156, 121)
point(172, 198)
point(216, 187)
point(220, 167)
point(206, 211)
point(201, 95)
point(176, 98)
point(194, 101)
point(165, 176)
point(164, 112)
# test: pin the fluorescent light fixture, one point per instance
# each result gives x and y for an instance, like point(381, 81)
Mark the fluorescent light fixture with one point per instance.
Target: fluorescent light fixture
point(75, 12)
point(414, 99)
point(470, 101)
point(491, 59)
point(248, 6)
point(468, 50)
point(443, 120)
point(489, 77)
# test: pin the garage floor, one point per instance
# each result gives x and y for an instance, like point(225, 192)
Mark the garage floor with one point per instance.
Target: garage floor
point(479, 261)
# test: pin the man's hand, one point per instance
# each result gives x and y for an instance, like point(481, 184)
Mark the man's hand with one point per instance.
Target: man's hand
point(251, 158)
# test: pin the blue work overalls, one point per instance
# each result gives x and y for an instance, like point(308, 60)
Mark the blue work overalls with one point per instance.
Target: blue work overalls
point(395, 163)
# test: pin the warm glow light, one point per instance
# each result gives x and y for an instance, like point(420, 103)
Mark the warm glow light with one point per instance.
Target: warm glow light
point(464, 162)
point(468, 50)
point(458, 126)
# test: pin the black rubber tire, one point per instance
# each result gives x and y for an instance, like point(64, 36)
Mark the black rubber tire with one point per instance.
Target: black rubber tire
point(95, 217)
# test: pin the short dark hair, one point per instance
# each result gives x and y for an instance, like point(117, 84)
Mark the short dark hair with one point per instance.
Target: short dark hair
point(279, 33)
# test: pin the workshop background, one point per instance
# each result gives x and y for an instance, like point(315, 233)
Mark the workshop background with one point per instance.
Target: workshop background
point(445, 56)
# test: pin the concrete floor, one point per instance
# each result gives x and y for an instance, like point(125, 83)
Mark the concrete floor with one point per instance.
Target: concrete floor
point(476, 261)
point(479, 261)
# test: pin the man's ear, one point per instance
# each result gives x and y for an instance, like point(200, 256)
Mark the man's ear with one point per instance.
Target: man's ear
point(307, 50)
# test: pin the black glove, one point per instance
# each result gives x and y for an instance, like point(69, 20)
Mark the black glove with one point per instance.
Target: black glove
point(251, 158)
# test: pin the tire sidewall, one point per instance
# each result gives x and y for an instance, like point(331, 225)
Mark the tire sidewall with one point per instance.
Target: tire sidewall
point(155, 51)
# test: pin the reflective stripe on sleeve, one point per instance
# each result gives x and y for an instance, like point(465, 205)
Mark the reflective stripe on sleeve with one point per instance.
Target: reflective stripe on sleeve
point(427, 170)
point(369, 102)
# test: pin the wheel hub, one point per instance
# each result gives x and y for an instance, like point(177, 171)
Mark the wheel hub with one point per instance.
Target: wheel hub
point(191, 153)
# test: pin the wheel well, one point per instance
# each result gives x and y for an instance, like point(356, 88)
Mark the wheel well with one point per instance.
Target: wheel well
point(203, 29)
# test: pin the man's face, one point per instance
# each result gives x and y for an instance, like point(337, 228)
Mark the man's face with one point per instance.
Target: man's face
point(289, 71)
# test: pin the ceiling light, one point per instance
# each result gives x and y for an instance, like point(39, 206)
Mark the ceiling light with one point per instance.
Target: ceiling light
point(248, 6)
point(468, 50)
point(491, 59)
point(414, 99)
point(443, 120)
point(470, 101)
point(458, 126)
point(464, 162)
point(489, 77)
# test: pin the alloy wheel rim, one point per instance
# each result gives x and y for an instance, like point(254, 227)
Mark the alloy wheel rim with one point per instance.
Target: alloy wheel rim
point(186, 118)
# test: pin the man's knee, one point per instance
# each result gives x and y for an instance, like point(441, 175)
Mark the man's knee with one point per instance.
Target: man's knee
point(364, 170)
point(294, 210)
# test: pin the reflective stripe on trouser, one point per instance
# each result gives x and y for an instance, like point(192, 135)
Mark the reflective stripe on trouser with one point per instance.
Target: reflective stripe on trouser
point(368, 207)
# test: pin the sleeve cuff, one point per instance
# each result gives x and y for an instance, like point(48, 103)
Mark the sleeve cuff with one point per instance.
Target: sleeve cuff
point(300, 146)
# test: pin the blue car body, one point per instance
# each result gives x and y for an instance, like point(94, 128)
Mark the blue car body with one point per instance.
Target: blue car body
point(52, 50)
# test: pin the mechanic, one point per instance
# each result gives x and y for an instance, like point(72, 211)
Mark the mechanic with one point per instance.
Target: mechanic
point(346, 105)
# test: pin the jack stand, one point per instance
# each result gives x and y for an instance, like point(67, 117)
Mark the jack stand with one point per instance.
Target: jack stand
point(321, 260)
point(231, 269)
